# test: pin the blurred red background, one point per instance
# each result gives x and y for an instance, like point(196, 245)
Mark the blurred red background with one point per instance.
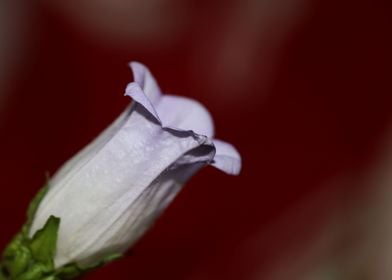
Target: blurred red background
point(302, 88)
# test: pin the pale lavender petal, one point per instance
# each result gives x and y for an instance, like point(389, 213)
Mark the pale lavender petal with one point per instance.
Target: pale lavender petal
point(104, 188)
point(84, 155)
point(143, 77)
point(185, 114)
point(227, 158)
point(174, 112)
point(139, 216)
point(134, 91)
point(110, 192)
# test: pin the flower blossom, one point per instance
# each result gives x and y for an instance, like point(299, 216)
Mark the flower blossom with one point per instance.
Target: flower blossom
point(110, 192)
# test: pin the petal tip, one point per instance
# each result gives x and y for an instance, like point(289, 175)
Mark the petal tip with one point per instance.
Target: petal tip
point(227, 158)
point(186, 114)
point(134, 91)
point(143, 77)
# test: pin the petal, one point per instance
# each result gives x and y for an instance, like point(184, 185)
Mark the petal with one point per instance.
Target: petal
point(138, 216)
point(175, 112)
point(100, 192)
point(134, 91)
point(88, 151)
point(143, 77)
point(186, 114)
point(227, 158)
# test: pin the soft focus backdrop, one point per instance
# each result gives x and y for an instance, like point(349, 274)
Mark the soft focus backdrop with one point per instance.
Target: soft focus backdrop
point(301, 87)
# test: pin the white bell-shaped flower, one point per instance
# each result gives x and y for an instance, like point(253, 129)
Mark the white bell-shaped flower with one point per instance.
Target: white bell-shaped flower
point(109, 193)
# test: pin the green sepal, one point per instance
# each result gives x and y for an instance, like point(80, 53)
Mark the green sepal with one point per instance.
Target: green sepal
point(17, 256)
point(44, 241)
point(35, 272)
point(69, 271)
point(19, 262)
point(32, 258)
point(28, 258)
point(33, 207)
point(51, 278)
point(13, 247)
point(73, 270)
point(105, 260)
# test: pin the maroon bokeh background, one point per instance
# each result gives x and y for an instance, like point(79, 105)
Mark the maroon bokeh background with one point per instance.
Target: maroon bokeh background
point(326, 109)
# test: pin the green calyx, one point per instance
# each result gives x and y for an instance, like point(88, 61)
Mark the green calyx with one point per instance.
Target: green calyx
point(31, 258)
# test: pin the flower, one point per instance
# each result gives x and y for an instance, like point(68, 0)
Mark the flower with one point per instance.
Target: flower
point(110, 192)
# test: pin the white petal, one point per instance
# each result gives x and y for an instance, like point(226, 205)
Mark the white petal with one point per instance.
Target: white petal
point(186, 114)
point(88, 151)
point(139, 216)
point(174, 111)
point(101, 191)
point(227, 158)
point(110, 192)
point(143, 77)
point(134, 91)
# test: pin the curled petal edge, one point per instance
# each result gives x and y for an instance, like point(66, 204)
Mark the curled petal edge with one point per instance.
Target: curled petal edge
point(146, 81)
point(227, 158)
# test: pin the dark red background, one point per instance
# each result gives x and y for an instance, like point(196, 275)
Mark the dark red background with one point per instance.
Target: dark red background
point(324, 112)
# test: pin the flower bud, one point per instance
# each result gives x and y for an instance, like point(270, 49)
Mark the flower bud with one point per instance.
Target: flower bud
point(110, 192)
